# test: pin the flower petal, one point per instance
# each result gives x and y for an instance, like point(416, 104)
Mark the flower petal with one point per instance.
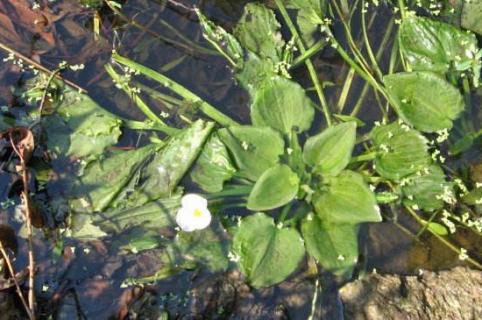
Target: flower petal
point(192, 200)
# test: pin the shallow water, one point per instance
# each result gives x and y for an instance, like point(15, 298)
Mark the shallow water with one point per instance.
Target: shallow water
point(87, 281)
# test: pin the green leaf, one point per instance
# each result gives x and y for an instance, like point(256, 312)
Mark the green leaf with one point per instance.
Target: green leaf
point(276, 187)
point(258, 32)
point(334, 246)
point(162, 174)
point(401, 151)
point(254, 149)
point(346, 199)
point(79, 127)
point(267, 254)
point(282, 105)
point(472, 15)
point(136, 177)
point(425, 188)
point(254, 72)
point(430, 45)
point(330, 151)
point(90, 193)
point(424, 99)
point(213, 166)
point(309, 18)
point(154, 215)
point(436, 228)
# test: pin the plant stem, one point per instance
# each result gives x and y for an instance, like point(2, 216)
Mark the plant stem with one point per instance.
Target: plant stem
point(301, 59)
point(308, 63)
point(364, 157)
point(17, 286)
point(205, 107)
point(188, 45)
point(442, 239)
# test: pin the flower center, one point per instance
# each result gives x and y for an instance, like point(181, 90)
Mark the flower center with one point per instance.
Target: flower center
point(197, 213)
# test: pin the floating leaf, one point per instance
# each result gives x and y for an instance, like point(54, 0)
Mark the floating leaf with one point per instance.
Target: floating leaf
point(425, 188)
point(79, 127)
point(330, 151)
point(258, 32)
point(346, 199)
point(267, 254)
point(276, 187)
point(430, 45)
point(401, 151)
point(472, 15)
point(254, 149)
point(213, 166)
point(425, 100)
point(282, 105)
point(335, 246)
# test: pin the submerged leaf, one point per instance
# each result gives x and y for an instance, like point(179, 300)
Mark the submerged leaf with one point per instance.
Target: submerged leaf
point(267, 254)
point(282, 105)
point(276, 187)
point(347, 199)
point(213, 166)
point(401, 151)
point(472, 15)
point(79, 127)
point(258, 31)
point(430, 45)
point(334, 246)
point(425, 100)
point(161, 175)
point(330, 151)
point(254, 149)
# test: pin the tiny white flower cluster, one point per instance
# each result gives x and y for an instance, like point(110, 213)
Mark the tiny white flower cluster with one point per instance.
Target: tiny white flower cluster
point(447, 196)
point(193, 214)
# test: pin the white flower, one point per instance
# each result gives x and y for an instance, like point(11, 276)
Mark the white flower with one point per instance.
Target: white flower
point(194, 213)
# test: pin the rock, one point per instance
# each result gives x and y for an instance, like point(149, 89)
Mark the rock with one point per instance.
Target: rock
point(454, 294)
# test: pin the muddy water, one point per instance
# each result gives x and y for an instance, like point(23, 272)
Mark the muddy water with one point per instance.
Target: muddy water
point(84, 281)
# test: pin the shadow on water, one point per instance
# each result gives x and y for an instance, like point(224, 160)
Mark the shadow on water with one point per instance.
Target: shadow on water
point(85, 281)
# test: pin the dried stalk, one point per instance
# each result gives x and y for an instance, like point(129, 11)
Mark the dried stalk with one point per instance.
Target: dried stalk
point(28, 218)
point(17, 286)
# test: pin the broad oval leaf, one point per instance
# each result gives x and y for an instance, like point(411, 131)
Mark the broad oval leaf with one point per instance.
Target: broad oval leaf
point(276, 187)
point(282, 105)
point(258, 32)
point(347, 199)
point(424, 99)
point(213, 166)
point(431, 45)
point(334, 246)
point(401, 151)
point(267, 254)
point(330, 151)
point(253, 149)
point(426, 188)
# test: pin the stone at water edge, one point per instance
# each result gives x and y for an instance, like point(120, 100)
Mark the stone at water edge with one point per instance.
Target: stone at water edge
point(454, 294)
